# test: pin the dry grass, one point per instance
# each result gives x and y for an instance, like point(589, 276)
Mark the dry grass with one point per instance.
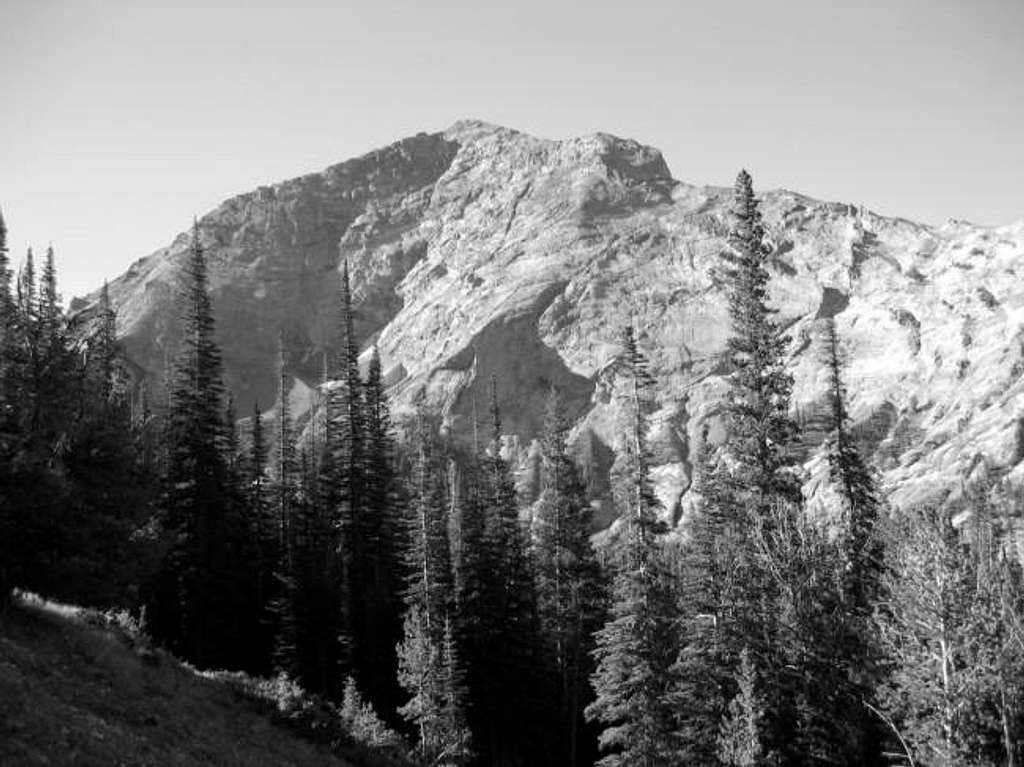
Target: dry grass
point(76, 693)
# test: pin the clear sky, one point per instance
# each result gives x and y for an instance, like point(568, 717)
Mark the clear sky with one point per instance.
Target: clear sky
point(120, 119)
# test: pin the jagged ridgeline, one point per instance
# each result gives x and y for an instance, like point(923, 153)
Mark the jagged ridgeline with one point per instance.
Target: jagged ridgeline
point(482, 250)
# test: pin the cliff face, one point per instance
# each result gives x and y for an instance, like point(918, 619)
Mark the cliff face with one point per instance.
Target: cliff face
point(482, 250)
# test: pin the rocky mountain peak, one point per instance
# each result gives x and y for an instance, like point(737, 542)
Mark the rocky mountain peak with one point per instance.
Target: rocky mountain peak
point(482, 250)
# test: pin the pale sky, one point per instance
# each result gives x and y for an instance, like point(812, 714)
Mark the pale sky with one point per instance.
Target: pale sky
point(121, 119)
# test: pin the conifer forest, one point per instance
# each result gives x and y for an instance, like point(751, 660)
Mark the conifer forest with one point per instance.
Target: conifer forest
point(449, 616)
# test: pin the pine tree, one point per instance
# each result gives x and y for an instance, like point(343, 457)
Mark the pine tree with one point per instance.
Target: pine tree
point(739, 743)
point(362, 722)
point(636, 648)
point(468, 548)
point(381, 534)
point(458, 748)
point(29, 332)
point(284, 607)
point(760, 428)
point(188, 610)
point(926, 630)
point(429, 668)
point(287, 469)
point(426, 556)
point(27, 287)
point(8, 402)
point(8, 330)
point(569, 582)
point(748, 486)
point(950, 624)
point(859, 564)
point(264, 542)
point(856, 483)
point(49, 298)
point(340, 481)
point(508, 693)
point(103, 348)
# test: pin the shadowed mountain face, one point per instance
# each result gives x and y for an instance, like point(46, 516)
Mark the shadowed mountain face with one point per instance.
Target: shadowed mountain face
point(482, 250)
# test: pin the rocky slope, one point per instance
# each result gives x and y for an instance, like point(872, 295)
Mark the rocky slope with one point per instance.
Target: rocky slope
point(483, 250)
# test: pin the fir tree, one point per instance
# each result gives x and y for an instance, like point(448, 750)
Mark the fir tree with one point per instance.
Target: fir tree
point(284, 607)
point(188, 610)
point(856, 483)
point(950, 624)
point(7, 417)
point(760, 428)
point(569, 593)
point(362, 722)
point(637, 646)
point(340, 481)
point(739, 743)
point(426, 556)
point(509, 693)
point(859, 565)
point(381, 534)
point(49, 298)
point(264, 542)
point(103, 349)
point(428, 670)
point(747, 486)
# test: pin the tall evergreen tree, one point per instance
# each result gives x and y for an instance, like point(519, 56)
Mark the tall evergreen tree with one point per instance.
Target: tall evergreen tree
point(636, 648)
point(264, 543)
point(340, 480)
point(739, 744)
point(507, 691)
point(761, 430)
point(381, 534)
point(860, 564)
point(569, 583)
point(856, 483)
point(7, 419)
point(427, 565)
point(49, 298)
point(189, 610)
point(429, 669)
point(747, 486)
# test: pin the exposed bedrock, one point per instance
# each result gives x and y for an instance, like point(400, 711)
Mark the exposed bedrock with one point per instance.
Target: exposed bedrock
point(482, 250)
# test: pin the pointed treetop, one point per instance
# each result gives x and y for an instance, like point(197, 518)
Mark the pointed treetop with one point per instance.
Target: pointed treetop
point(495, 416)
point(49, 281)
point(3, 231)
point(346, 292)
point(744, 203)
point(281, 360)
point(27, 281)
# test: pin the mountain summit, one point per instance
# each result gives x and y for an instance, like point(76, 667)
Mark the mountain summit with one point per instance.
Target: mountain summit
point(481, 250)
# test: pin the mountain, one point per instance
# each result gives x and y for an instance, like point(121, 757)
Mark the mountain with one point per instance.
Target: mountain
point(483, 250)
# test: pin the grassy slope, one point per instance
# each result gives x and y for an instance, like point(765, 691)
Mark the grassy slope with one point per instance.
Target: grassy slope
point(75, 694)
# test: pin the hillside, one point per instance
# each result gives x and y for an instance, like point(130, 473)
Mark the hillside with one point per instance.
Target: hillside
point(481, 250)
point(76, 693)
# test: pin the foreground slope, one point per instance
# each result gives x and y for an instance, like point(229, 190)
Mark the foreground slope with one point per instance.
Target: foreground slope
point(482, 250)
point(71, 693)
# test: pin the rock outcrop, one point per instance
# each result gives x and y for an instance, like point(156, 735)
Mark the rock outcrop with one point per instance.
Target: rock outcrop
point(483, 250)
